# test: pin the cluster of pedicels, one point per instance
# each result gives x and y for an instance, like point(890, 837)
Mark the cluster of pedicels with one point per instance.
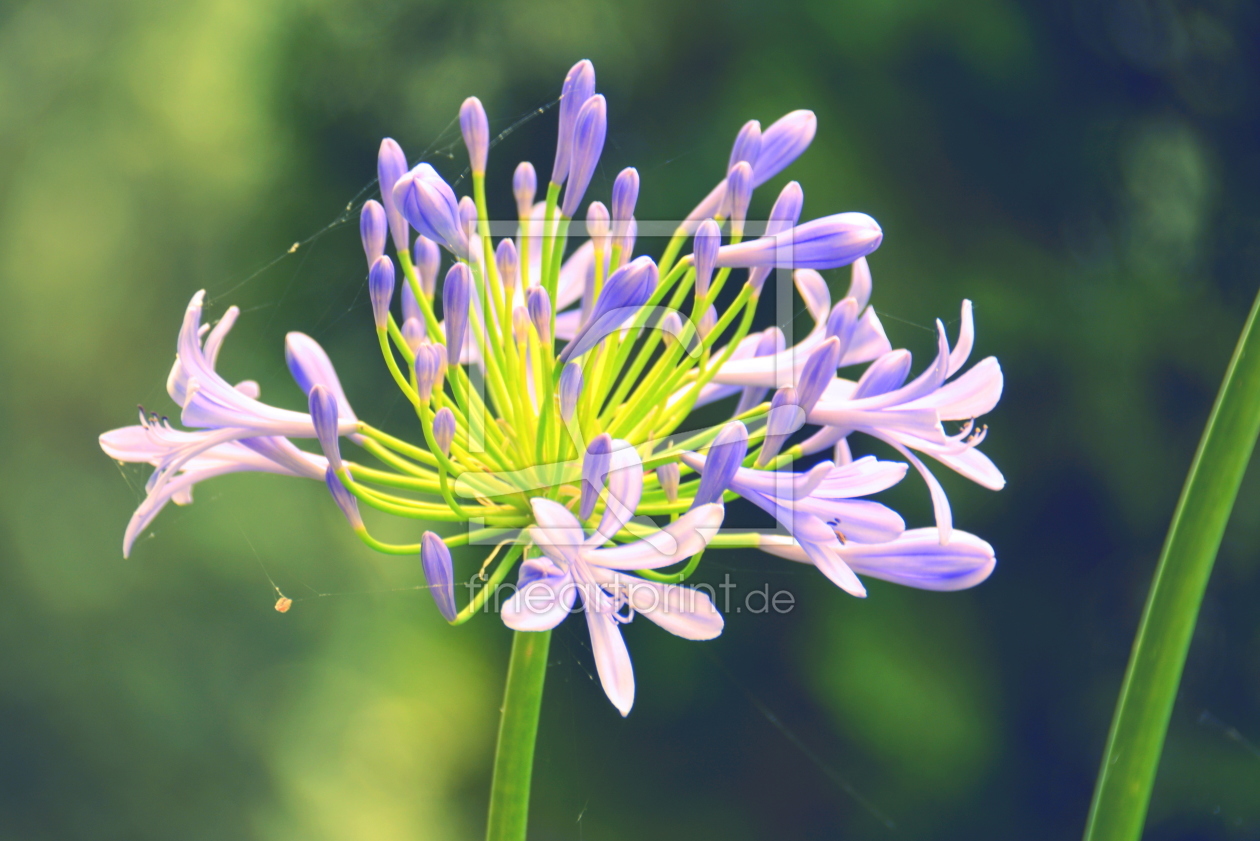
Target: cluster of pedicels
point(553, 393)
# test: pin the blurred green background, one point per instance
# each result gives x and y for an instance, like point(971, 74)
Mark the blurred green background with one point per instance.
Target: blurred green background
point(1088, 173)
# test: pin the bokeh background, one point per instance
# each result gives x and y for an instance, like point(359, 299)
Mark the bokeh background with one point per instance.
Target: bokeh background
point(1088, 174)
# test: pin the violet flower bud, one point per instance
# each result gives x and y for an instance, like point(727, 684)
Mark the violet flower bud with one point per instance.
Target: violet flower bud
point(783, 216)
point(739, 189)
point(724, 457)
point(579, 86)
point(626, 290)
point(391, 166)
point(747, 145)
point(506, 258)
point(818, 372)
point(625, 195)
point(413, 332)
point(570, 390)
point(785, 417)
point(538, 305)
point(429, 204)
point(704, 248)
point(594, 472)
point(439, 573)
point(345, 500)
point(444, 429)
point(427, 258)
point(428, 366)
point(520, 324)
point(597, 225)
point(468, 216)
point(771, 342)
point(885, 374)
point(323, 407)
point(588, 143)
point(825, 243)
point(842, 321)
point(668, 475)
point(372, 229)
point(456, 295)
point(381, 290)
point(782, 143)
point(524, 188)
point(475, 128)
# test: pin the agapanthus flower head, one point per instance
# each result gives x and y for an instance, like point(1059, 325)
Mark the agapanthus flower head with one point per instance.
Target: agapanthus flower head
point(555, 386)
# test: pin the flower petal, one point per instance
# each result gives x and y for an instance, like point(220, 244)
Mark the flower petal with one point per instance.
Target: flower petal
point(917, 559)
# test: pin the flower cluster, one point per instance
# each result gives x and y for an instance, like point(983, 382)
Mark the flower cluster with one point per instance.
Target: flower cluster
point(554, 392)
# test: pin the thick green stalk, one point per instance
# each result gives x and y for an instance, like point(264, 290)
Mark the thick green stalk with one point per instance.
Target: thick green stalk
point(1123, 790)
point(518, 728)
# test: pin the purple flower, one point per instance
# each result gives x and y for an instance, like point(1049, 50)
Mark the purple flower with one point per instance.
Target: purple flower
point(579, 86)
point(594, 471)
point(574, 565)
point(589, 131)
point(819, 508)
point(785, 417)
point(747, 146)
point(428, 366)
point(323, 406)
point(538, 305)
point(345, 500)
point(507, 260)
point(819, 370)
point(739, 189)
point(783, 216)
point(909, 416)
point(598, 225)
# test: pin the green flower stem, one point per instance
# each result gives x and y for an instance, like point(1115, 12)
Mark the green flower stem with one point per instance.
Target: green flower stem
point(518, 729)
point(1123, 790)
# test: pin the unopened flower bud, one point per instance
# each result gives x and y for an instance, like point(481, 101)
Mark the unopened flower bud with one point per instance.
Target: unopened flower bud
point(818, 372)
point(594, 471)
point(589, 131)
point(428, 367)
point(597, 225)
point(439, 573)
point(579, 86)
point(413, 332)
point(704, 248)
point(570, 390)
point(323, 408)
point(747, 146)
point(520, 324)
point(842, 321)
point(524, 188)
point(456, 295)
point(539, 307)
point(707, 322)
point(391, 166)
point(724, 457)
point(739, 189)
point(444, 429)
point(785, 418)
point(372, 229)
point(345, 500)
point(507, 260)
point(475, 128)
point(381, 290)
point(625, 194)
